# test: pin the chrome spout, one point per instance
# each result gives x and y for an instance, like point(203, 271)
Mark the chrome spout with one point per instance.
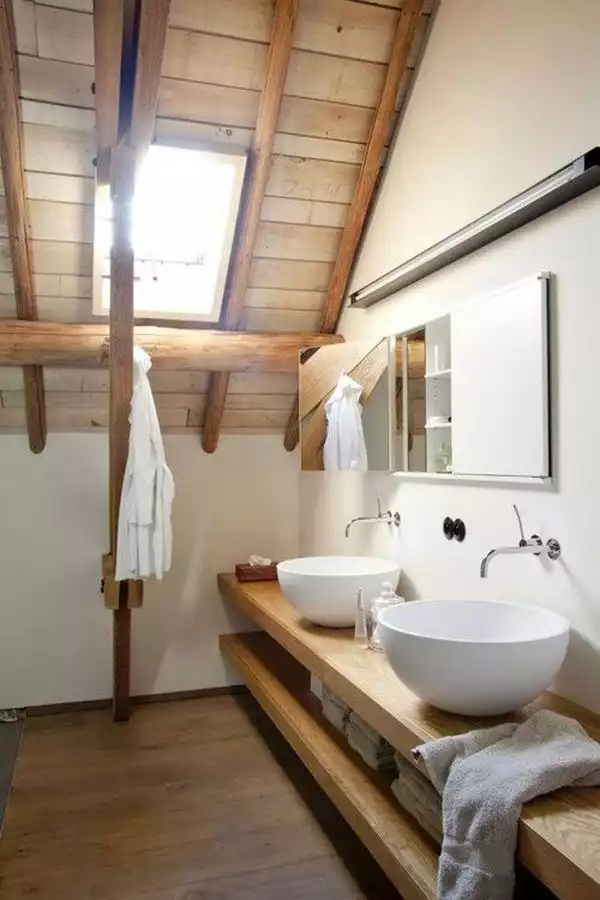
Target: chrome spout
point(385, 518)
point(499, 551)
point(551, 550)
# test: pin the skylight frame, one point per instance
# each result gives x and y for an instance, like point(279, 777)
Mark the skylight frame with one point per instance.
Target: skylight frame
point(239, 157)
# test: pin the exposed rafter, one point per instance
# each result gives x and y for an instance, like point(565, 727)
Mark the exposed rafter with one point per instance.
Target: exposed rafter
point(151, 39)
point(408, 21)
point(61, 344)
point(11, 157)
point(259, 162)
point(108, 46)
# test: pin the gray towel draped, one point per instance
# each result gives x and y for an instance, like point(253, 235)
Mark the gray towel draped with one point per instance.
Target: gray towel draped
point(485, 777)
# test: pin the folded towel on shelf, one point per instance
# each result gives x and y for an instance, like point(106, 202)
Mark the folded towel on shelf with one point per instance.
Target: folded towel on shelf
point(334, 710)
point(486, 776)
point(418, 797)
point(368, 743)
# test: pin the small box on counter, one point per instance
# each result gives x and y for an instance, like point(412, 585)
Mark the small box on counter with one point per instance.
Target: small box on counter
point(246, 572)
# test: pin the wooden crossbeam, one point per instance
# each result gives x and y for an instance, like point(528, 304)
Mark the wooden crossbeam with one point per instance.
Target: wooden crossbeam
point(64, 344)
point(258, 171)
point(11, 157)
point(408, 21)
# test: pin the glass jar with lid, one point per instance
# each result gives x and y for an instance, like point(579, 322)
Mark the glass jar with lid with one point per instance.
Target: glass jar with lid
point(384, 600)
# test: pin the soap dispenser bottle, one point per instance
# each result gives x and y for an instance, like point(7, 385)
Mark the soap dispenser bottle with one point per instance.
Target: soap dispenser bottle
point(384, 600)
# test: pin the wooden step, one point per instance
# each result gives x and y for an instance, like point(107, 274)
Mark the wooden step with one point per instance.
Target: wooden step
point(404, 852)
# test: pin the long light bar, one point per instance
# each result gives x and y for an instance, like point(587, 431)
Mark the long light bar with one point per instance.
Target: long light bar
point(580, 176)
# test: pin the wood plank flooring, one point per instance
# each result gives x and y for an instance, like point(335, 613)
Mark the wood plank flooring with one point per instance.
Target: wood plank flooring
point(191, 800)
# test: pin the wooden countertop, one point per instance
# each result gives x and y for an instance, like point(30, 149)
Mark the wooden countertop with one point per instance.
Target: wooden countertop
point(559, 837)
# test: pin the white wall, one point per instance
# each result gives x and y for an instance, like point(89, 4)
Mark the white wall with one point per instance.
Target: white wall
point(505, 94)
point(55, 635)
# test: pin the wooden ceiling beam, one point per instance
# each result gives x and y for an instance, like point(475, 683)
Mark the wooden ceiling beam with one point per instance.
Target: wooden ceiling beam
point(61, 344)
point(108, 48)
point(258, 172)
point(154, 15)
point(11, 157)
point(406, 28)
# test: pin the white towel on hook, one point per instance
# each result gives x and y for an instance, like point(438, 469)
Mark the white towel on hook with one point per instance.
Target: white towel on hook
point(144, 538)
point(345, 448)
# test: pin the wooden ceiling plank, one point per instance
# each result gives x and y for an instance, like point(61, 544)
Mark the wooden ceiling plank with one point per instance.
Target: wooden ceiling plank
point(280, 49)
point(11, 157)
point(186, 349)
point(408, 21)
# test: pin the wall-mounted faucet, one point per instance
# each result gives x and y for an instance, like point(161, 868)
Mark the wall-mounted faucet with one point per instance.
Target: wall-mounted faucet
point(535, 545)
point(386, 518)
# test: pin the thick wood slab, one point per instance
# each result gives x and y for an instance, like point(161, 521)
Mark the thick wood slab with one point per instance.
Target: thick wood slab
point(406, 855)
point(559, 837)
point(59, 344)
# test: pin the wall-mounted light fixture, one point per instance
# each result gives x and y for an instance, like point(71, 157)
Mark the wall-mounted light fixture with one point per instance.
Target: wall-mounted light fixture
point(580, 176)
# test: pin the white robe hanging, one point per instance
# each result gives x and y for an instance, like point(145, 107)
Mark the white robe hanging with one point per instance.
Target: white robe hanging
point(144, 538)
point(345, 448)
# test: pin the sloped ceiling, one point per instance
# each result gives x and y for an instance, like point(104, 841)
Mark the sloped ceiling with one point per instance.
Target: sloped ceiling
point(212, 73)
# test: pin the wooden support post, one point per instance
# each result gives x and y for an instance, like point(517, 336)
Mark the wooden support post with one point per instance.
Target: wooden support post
point(408, 20)
point(260, 159)
point(122, 179)
point(11, 157)
point(127, 93)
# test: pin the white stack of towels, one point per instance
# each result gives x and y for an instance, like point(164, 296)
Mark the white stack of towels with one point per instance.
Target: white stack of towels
point(375, 751)
point(418, 797)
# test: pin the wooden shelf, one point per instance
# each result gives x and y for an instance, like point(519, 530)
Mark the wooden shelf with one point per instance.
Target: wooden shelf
point(404, 852)
point(559, 836)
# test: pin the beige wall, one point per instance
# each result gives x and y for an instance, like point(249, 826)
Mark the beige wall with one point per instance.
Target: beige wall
point(507, 93)
point(55, 635)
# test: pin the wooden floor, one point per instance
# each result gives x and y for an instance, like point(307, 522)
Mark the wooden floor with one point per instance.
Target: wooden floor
point(191, 800)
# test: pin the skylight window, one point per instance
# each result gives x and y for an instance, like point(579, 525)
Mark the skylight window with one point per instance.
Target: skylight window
point(184, 213)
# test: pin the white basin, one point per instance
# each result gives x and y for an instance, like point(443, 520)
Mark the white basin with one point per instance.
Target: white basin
point(478, 658)
point(323, 589)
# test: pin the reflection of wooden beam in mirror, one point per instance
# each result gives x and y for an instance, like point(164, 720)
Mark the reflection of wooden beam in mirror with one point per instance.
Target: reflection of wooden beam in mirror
point(367, 372)
point(416, 357)
point(319, 374)
point(415, 387)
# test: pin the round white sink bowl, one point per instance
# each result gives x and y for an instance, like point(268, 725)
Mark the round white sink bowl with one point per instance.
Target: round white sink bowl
point(323, 589)
point(474, 657)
